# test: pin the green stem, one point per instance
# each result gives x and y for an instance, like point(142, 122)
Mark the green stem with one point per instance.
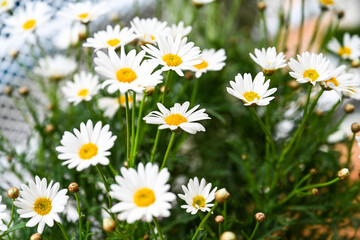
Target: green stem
point(263, 127)
point(156, 142)
point(133, 110)
point(127, 127)
point(62, 230)
point(350, 150)
point(158, 228)
point(152, 230)
point(106, 185)
point(266, 38)
point(301, 29)
point(112, 169)
point(318, 21)
point(194, 92)
point(308, 99)
point(138, 128)
point(254, 231)
point(204, 221)
point(168, 149)
point(12, 213)
point(220, 229)
point(79, 213)
point(167, 80)
point(225, 214)
point(287, 27)
point(201, 215)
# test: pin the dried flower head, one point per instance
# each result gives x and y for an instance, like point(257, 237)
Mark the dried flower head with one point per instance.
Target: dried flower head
point(73, 187)
point(13, 193)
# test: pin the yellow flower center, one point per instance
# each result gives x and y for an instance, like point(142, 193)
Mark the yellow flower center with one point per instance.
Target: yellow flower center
point(198, 202)
point(113, 42)
point(250, 96)
point(202, 65)
point(87, 151)
point(29, 24)
point(144, 197)
point(4, 3)
point(312, 74)
point(151, 36)
point(42, 206)
point(172, 60)
point(175, 119)
point(83, 15)
point(333, 80)
point(83, 92)
point(344, 51)
point(327, 2)
point(126, 75)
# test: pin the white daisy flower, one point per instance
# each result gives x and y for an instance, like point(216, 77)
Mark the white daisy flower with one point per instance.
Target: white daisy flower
point(180, 29)
point(26, 20)
point(340, 81)
point(83, 11)
point(212, 60)
point(86, 147)
point(355, 90)
point(310, 68)
point(174, 54)
point(111, 105)
point(6, 5)
point(111, 38)
point(197, 196)
point(199, 3)
point(178, 117)
point(84, 87)
point(148, 29)
point(143, 194)
point(252, 93)
point(126, 72)
point(269, 60)
point(55, 68)
point(69, 36)
point(350, 49)
point(41, 203)
point(3, 216)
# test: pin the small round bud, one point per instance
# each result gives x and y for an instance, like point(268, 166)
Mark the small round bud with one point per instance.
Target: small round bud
point(355, 127)
point(319, 113)
point(9, 158)
point(126, 164)
point(73, 187)
point(228, 236)
point(219, 219)
point(293, 84)
point(13, 53)
point(23, 91)
point(349, 108)
point(221, 195)
point(260, 217)
point(162, 89)
point(355, 63)
point(149, 91)
point(315, 191)
point(243, 157)
point(13, 193)
point(324, 8)
point(49, 128)
point(313, 171)
point(341, 14)
point(109, 224)
point(343, 173)
point(146, 237)
point(261, 6)
point(36, 236)
point(8, 90)
point(189, 75)
point(82, 35)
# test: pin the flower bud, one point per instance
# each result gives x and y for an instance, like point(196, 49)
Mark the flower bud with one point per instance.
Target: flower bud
point(149, 91)
point(260, 217)
point(162, 89)
point(355, 127)
point(13, 193)
point(243, 157)
point(221, 195)
point(146, 237)
point(261, 6)
point(109, 224)
point(189, 75)
point(343, 173)
point(23, 91)
point(219, 219)
point(8, 90)
point(49, 128)
point(315, 191)
point(355, 63)
point(73, 187)
point(228, 236)
point(319, 113)
point(36, 236)
point(50, 107)
point(312, 171)
point(9, 158)
point(126, 164)
point(293, 84)
point(13, 53)
point(349, 108)
point(341, 14)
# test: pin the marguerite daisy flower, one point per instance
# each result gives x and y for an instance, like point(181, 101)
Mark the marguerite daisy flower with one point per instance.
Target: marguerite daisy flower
point(143, 194)
point(69, 36)
point(197, 196)
point(148, 29)
point(83, 11)
point(212, 60)
point(174, 54)
point(180, 29)
point(252, 93)
point(269, 60)
point(55, 68)
point(86, 147)
point(26, 20)
point(350, 48)
point(85, 86)
point(340, 81)
point(111, 105)
point(6, 5)
point(111, 38)
point(126, 72)
point(310, 68)
point(41, 203)
point(3, 216)
point(178, 117)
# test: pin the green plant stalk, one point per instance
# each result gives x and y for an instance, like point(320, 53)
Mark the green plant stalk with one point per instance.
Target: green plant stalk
point(167, 80)
point(152, 230)
point(318, 22)
point(172, 138)
point(350, 150)
point(213, 235)
point(301, 29)
point(287, 27)
point(106, 185)
point(204, 221)
point(281, 17)
point(138, 128)
point(12, 213)
point(254, 231)
point(308, 99)
point(158, 228)
point(225, 214)
point(127, 127)
point(220, 229)
point(79, 213)
point(112, 170)
point(133, 110)
point(194, 91)
point(62, 230)
point(266, 37)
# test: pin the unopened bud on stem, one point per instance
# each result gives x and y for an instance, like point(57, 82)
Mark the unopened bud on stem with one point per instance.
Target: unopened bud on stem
point(221, 195)
point(343, 173)
point(260, 217)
